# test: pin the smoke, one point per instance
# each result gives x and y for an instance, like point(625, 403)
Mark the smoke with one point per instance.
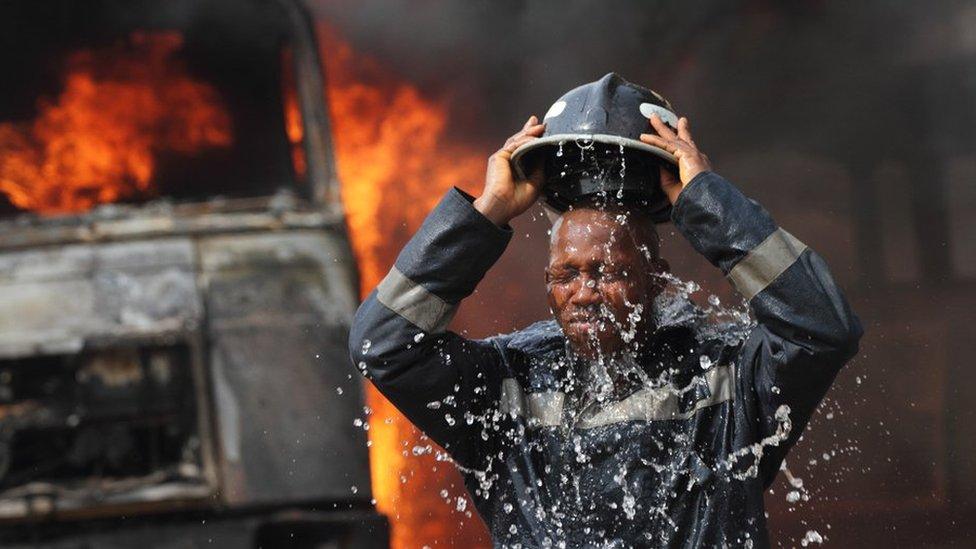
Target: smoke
point(498, 62)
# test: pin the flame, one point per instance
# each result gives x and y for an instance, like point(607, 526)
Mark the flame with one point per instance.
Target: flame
point(395, 163)
point(294, 128)
point(98, 141)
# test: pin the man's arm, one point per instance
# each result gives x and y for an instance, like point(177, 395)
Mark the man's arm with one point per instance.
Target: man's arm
point(806, 330)
point(442, 382)
point(436, 378)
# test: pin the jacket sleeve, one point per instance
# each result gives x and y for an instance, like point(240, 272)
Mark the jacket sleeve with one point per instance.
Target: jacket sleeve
point(443, 383)
point(806, 330)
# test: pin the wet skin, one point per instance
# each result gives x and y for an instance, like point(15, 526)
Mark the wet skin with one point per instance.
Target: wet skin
point(601, 280)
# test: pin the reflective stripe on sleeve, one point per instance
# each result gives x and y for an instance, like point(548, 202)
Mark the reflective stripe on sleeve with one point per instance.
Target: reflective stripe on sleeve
point(765, 262)
point(414, 303)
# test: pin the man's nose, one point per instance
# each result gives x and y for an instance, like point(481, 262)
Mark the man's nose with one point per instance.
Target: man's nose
point(588, 293)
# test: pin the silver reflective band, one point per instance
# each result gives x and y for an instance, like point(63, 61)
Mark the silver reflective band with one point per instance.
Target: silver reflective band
point(656, 404)
point(663, 403)
point(765, 262)
point(512, 399)
point(545, 409)
point(414, 303)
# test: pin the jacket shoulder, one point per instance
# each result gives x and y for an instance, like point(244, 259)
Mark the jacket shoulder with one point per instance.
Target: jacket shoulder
point(531, 352)
point(537, 338)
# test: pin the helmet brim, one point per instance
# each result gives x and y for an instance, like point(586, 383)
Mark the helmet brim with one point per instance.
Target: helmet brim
point(660, 214)
point(554, 140)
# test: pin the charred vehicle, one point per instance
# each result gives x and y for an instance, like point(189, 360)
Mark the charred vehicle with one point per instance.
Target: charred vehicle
point(176, 283)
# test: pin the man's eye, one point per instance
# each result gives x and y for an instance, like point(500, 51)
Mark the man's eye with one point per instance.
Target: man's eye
point(562, 277)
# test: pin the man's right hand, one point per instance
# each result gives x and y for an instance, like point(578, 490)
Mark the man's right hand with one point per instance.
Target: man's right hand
point(505, 196)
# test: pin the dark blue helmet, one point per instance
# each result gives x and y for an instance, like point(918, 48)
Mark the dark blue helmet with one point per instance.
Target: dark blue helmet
point(591, 148)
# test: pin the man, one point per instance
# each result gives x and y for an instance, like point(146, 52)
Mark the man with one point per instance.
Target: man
point(623, 422)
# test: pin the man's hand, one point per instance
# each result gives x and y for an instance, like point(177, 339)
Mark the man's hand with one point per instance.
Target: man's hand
point(505, 197)
point(691, 161)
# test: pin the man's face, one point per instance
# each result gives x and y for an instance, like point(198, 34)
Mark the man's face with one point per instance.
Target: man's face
point(600, 282)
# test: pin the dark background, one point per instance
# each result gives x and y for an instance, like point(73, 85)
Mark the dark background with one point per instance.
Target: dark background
point(852, 122)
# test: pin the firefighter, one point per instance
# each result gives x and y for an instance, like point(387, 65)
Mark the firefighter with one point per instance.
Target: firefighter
point(629, 419)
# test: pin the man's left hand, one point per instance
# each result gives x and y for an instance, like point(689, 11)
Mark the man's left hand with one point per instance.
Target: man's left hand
point(691, 161)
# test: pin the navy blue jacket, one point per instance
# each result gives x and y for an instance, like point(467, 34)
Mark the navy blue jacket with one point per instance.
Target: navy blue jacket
point(676, 464)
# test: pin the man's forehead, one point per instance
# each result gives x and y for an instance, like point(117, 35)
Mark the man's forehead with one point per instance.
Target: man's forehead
point(586, 223)
point(592, 230)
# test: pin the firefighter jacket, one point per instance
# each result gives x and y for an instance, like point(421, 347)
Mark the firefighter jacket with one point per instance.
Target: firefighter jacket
point(682, 461)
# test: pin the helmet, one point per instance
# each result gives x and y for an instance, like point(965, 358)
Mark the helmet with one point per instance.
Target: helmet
point(591, 148)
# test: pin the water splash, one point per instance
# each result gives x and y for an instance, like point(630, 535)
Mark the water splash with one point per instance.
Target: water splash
point(569, 496)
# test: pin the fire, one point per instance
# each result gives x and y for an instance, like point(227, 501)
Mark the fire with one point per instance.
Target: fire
point(294, 129)
point(99, 140)
point(395, 164)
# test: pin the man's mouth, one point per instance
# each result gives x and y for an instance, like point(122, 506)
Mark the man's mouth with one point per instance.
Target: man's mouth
point(588, 322)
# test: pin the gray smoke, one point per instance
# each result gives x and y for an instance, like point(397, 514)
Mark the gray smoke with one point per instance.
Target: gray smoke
point(501, 61)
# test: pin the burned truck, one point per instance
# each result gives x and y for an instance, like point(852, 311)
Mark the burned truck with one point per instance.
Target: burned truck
point(176, 282)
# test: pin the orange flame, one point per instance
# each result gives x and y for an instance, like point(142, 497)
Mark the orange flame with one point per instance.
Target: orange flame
point(395, 164)
point(294, 128)
point(98, 141)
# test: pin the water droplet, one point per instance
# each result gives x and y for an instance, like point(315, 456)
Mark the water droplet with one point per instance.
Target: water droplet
point(630, 506)
point(812, 536)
